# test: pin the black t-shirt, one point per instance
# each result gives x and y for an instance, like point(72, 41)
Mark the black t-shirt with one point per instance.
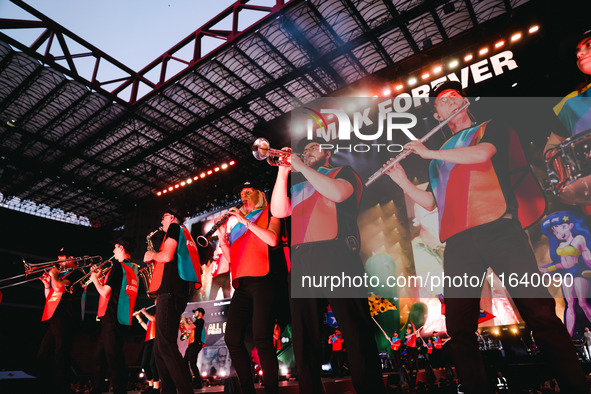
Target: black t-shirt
point(199, 325)
point(114, 281)
point(171, 281)
point(70, 306)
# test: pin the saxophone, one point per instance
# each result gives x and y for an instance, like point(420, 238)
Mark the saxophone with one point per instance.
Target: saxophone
point(146, 272)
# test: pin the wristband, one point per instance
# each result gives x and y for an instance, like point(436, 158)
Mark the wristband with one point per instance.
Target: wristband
point(248, 223)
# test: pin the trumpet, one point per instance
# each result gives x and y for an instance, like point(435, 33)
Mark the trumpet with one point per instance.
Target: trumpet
point(203, 240)
point(42, 268)
point(85, 280)
point(261, 150)
point(405, 153)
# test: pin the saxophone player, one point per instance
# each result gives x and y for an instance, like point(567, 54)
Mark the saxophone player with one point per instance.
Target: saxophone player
point(118, 292)
point(176, 265)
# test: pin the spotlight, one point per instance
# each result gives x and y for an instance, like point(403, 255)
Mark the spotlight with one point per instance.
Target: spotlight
point(170, 189)
point(209, 172)
point(141, 375)
point(387, 92)
point(202, 175)
point(204, 374)
point(499, 44)
point(453, 64)
point(412, 81)
point(189, 181)
point(232, 162)
point(160, 193)
point(425, 76)
point(183, 183)
point(176, 186)
point(483, 51)
point(224, 166)
point(216, 169)
point(399, 87)
point(437, 69)
point(468, 57)
point(164, 191)
point(533, 29)
point(515, 37)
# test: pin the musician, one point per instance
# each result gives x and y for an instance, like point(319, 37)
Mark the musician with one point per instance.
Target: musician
point(412, 355)
point(196, 343)
point(483, 231)
point(176, 266)
point(329, 243)
point(148, 359)
point(258, 274)
point(573, 110)
point(62, 312)
point(118, 292)
point(395, 343)
point(337, 357)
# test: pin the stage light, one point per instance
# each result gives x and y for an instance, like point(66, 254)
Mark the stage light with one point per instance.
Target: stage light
point(216, 169)
point(222, 374)
point(189, 181)
point(399, 87)
point(533, 29)
point(164, 191)
point(203, 374)
point(141, 375)
point(170, 189)
point(453, 64)
point(224, 166)
point(437, 69)
point(412, 81)
point(514, 84)
point(284, 371)
point(499, 44)
point(468, 57)
point(209, 172)
point(495, 331)
point(202, 175)
point(387, 92)
point(183, 183)
point(515, 37)
point(483, 51)
point(425, 76)
point(232, 162)
point(260, 372)
point(176, 186)
point(159, 193)
point(196, 177)
point(514, 330)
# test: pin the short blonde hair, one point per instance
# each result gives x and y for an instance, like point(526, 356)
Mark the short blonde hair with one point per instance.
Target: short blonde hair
point(261, 200)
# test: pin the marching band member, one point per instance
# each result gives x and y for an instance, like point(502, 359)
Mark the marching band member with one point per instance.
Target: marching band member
point(196, 343)
point(176, 266)
point(478, 213)
point(118, 292)
point(257, 275)
point(62, 312)
point(325, 201)
point(148, 359)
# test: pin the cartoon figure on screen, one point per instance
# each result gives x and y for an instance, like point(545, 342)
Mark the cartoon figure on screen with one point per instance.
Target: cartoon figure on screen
point(569, 240)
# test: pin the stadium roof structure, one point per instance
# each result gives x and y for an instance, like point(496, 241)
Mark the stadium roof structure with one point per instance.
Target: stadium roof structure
point(75, 141)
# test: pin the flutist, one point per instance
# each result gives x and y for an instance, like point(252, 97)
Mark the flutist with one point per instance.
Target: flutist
point(472, 184)
point(118, 292)
point(62, 312)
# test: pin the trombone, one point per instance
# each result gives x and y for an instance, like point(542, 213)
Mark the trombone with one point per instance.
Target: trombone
point(85, 280)
point(42, 268)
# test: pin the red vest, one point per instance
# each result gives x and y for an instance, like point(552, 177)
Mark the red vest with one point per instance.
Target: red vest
point(249, 255)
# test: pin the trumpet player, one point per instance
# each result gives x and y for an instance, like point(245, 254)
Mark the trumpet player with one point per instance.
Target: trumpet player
point(176, 264)
point(479, 215)
point(62, 312)
point(325, 240)
point(118, 291)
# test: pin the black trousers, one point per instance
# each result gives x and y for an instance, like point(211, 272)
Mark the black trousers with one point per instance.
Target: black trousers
point(55, 353)
point(191, 355)
point(109, 355)
point(252, 308)
point(352, 315)
point(503, 246)
point(337, 362)
point(149, 361)
point(171, 367)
